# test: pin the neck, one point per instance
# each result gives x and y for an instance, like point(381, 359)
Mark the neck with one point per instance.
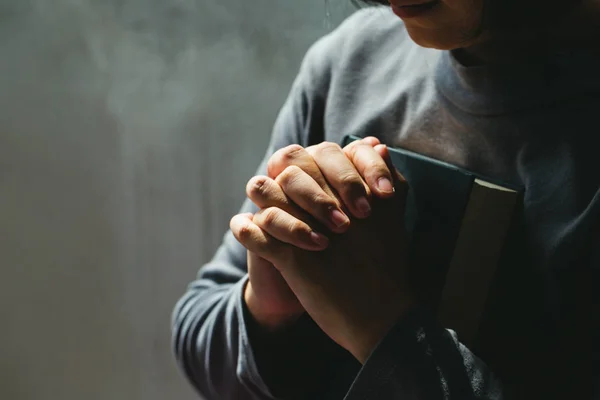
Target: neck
point(580, 30)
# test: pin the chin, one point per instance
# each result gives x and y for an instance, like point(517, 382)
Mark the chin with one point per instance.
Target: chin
point(442, 39)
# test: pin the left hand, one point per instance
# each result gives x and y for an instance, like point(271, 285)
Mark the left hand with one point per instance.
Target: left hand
point(355, 289)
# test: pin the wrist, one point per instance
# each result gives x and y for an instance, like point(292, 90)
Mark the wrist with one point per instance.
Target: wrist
point(265, 315)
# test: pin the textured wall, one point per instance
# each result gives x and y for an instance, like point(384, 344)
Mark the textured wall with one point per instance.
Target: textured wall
point(118, 124)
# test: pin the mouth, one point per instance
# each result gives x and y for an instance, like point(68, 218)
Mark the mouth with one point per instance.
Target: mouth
point(404, 8)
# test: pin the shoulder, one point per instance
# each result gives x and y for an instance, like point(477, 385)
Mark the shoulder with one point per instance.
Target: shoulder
point(366, 37)
point(363, 29)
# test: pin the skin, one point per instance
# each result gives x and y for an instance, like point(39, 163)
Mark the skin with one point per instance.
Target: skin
point(451, 24)
point(294, 205)
point(326, 240)
point(308, 210)
point(458, 24)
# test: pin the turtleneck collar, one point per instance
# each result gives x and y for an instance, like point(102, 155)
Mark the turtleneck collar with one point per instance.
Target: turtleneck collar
point(511, 87)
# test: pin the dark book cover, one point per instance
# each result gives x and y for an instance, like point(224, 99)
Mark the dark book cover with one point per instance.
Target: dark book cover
point(459, 224)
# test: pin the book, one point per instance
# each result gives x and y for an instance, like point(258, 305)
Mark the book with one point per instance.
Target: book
point(459, 226)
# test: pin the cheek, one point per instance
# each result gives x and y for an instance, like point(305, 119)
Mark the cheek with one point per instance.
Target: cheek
point(461, 13)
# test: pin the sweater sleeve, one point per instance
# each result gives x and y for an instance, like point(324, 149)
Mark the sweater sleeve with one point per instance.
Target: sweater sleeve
point(420, 360)
point(217, 344)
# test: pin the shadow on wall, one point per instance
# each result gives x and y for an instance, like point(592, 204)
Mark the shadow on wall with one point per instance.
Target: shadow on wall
point(115, 121)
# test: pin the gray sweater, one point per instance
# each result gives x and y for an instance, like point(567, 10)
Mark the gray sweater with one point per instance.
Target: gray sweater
point(532, 124)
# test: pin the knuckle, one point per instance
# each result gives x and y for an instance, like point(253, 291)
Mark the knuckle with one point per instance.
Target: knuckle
point(283, 158)
point(377, 167)
point(350, 179)
point(323, 201)
point(294, 170)
point(288, 175)
point(244, 233)
point(350, 150)
point(328, 148)
point(374, 162)
point(292, 150)
point(297, 228)
point(268, 217)
point(350, 145)
point(257, 186)
point(311, 150)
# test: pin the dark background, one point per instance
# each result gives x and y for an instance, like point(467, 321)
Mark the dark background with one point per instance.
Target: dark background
point(128, 129)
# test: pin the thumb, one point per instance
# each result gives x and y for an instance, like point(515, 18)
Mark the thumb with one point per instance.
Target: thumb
point(264, 274)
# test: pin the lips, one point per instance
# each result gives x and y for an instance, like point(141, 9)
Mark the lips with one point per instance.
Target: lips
point(410, 3)
point(412, 8)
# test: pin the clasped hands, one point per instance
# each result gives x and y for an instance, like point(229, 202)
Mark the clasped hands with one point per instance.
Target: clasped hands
point(328, 240)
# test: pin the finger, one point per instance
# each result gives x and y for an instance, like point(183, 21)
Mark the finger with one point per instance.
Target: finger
point(373, 169)
point(265, 192)
point(398, 180)
point(395, 206)
point(288, 229)
point(308, 195)
point(343, 177)
point(298, 156)
point(257, 241)
point(370, 140)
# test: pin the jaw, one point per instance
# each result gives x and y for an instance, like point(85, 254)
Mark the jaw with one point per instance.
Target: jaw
point(444, 38)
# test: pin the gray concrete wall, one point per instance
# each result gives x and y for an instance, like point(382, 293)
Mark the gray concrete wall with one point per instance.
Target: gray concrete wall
point(118, 119)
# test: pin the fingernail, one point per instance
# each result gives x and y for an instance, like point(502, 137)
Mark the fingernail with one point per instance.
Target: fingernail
point(338, 218)
point(385, 185)
point(362, 205)
point(318, 239)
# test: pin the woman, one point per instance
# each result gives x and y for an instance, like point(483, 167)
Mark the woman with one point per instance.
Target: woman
point(307, 297)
